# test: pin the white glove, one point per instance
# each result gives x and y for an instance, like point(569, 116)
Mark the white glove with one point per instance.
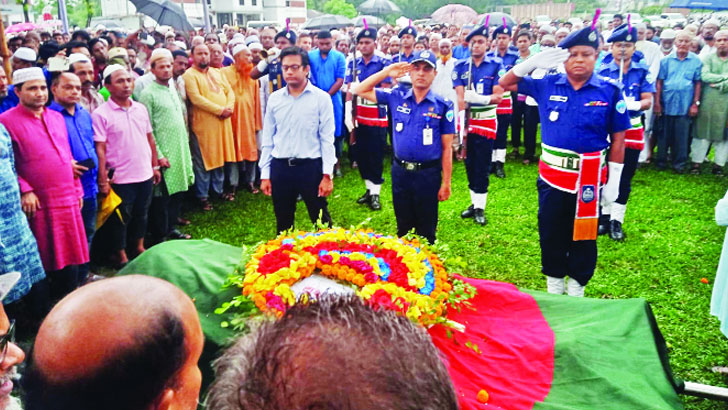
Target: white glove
point(610, 192)
point(632, 104)
point(546, 59)
point(273, 54)
point(461, 122)
point(262, 65)
point(348, 121)
point(471, 96)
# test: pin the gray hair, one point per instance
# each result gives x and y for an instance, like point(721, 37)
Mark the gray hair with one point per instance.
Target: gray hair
point(336, 353)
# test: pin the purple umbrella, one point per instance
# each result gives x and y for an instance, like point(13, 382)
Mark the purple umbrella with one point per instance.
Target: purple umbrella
point(455, 14)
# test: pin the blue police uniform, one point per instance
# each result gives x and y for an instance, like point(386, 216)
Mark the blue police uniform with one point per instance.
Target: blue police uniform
point(482, 124)
point(372, 123)
point(505, 108)
point(635, 81)
point(274, 70)
point(417, 163)
point(573, 122)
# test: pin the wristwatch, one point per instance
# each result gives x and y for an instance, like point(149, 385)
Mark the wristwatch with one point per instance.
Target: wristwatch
point(697, 103)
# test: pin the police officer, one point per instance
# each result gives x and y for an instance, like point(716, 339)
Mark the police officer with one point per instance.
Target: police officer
point(502, 37)
point(424, 125)
point(407, 38)
point(581, 113)
point(371, 119)
point(476, 82)
point(271, 65)
point(638, 88)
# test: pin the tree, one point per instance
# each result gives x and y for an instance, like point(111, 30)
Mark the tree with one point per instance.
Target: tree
point(26, 7)
point(340, 7)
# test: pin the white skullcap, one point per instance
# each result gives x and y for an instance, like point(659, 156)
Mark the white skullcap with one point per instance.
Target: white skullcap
point(668, 34)
point(436, 35)
point(25, 54)
point(238, 36)
point(234, 42)
point(112, 68)
point(713, 22)
point(149, 41)
point(255, 46)
point(446, 41)
point(27, 74)
point(547, 28)
point(547, 37)
point(563, 30)
point(160, 53)
point(238, 48)
point(170, 33)
point(641, 26)
point(251, 39)
point(78, 58)
point(180, 44)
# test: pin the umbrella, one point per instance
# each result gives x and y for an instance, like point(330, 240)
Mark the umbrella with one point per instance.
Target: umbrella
point(378, 7)
point(326, 22)
point(701, 4)
point(371, 21)
point(455, 14)
point(496, 19)
point(164, 12)
point(311, 13)
point(17, 28)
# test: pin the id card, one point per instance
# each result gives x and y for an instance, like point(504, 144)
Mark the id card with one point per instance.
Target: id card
point(479, 88)
point(427, 136)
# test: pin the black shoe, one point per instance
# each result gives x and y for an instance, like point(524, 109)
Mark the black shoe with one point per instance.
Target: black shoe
point(615, 230)
point(718, 171)
point(500, 172)
point(480, 217)
point(374, 203)
point(364, 198)
point(603, 228)
point(468, 213)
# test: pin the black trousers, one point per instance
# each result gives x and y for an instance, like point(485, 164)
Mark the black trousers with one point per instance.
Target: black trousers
point(163, 213)
point(370, 143)
point(528, 116)
point(477, 162)
point(560, 254)
point(414, 198)
point(135, 201)
point(290, 179)
point(631, 157)
point(501, 138)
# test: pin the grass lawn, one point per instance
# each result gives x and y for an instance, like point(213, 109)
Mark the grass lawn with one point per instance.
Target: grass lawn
point(672, 242)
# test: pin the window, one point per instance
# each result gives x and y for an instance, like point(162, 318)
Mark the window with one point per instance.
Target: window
point(239, 18)
point(288, 3)
point(255, 2)
point(241, 2)
point(224, 18)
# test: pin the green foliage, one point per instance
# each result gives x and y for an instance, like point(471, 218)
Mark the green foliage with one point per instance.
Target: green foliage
point(650, 10)
point(79, 12)
point(340, 7)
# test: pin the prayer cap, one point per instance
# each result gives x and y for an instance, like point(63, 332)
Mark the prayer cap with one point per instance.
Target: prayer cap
point(78, 58)
point(27, 74)
point(255, 46)
point(713, 22)
point(252, 39)
point(160, 53)
point(478, 31)
point(180, 44)
point(117, 52)
point(112, 68)
point(624, 33)
point(25, 54)
point(668, 34)
point(238, 48)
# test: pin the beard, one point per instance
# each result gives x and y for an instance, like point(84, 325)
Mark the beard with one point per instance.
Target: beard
point(203, 65)
point(708, 37)
point(246, 68)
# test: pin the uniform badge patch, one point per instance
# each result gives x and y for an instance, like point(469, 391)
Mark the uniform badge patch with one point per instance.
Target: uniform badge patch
point(592, 36)
point(454, 75)
point(621, 106)
point(587, 193)
point(553, 116)
point(450, 115)
point(399, 127)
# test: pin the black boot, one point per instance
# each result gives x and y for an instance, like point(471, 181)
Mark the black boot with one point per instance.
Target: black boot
point(468, 213)
point(364, 198)
point(616, 231)
point(603, 228)
point(374, 203)
point(480, 217)
point(500, 172)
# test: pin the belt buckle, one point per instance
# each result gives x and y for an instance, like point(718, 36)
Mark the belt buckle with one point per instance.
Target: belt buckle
point(410, 166)
point(291, 162)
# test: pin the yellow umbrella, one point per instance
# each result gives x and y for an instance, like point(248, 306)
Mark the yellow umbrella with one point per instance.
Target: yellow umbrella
point(109, 205)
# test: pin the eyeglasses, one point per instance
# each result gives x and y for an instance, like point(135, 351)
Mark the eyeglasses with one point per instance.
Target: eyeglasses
point(294, 67)
point(6, 339)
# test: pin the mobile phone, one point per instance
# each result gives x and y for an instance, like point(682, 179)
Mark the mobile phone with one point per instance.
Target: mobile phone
point(110, 173)
point(88, 163)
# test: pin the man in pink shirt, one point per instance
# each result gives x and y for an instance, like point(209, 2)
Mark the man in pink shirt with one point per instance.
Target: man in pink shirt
point(51, 192)
point(125, 143)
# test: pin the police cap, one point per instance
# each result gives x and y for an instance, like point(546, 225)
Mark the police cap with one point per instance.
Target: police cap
point(478, 31)
point(367, 33)
point(624, 33)
point(502, 30)
point(408, 30)
point(583, 37)
point(424, 55)
point(288, 34)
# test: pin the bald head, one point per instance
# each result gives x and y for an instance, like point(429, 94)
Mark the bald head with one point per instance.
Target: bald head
point(133, 335)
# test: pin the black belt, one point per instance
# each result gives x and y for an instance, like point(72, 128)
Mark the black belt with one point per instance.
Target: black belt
point(417, 166)
point(292, 162)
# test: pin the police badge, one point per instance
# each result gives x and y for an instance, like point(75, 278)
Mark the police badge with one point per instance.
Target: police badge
point(553, 116)
point(592, 36)
point(399, 127)
point(587, 193)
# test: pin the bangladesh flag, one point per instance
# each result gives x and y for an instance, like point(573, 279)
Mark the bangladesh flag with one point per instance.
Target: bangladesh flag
point(525, 349)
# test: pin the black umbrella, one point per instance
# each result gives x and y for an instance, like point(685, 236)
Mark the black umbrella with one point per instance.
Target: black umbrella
point(378, 7)
point(327, 22)
point(496, 19)
point(371, 21)
point(164, 12)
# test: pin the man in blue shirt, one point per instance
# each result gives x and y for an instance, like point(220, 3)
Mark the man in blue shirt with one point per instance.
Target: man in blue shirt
point(271, 65)
point(476, 83)
point(424, 126)
point(407, 38)
point(677, 100)
point(328, 69)
point(297, 149)
point(582, 115)
point(66, 90)
point(462, 50)
point(371, 121)
point(638, 89)
point(8, 99)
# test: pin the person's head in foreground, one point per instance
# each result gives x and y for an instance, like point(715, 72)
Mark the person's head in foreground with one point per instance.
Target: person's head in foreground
point(10, 354)
point(583, 46)
point(337, 353)
point(126, 343)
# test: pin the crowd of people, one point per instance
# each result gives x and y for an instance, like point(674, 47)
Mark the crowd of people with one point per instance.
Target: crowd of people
point(104, 134)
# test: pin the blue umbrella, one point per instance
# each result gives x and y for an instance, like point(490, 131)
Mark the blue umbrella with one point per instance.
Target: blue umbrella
point(701, 4)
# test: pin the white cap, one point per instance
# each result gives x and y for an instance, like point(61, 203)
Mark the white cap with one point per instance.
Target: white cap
point(255, 46)
point(713, 22)
point(238, 48)
point(78, 58)
point(446, 41)
point(181, 44)
point(170, 33)
point(111, 68)
point(547, 28)
point(160, 53)
point(27, 74)
point(252, 39)
point(563, 30)
point(150, 41)
point(668, 34)
point(238, 36)
point(25, 54)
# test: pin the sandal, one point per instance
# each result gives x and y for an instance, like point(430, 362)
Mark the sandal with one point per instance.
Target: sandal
point(175, 234)
point(253, 190)
point(228, 196)
point(183, 222)
point(206, 205)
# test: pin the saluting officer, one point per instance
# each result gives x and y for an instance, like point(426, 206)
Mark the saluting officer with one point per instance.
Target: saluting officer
point(271, 65)
point(371, 118)
point(638, 87)
point(424, 126)
point(476, 83)
point(581, 113)
point(502, 37)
